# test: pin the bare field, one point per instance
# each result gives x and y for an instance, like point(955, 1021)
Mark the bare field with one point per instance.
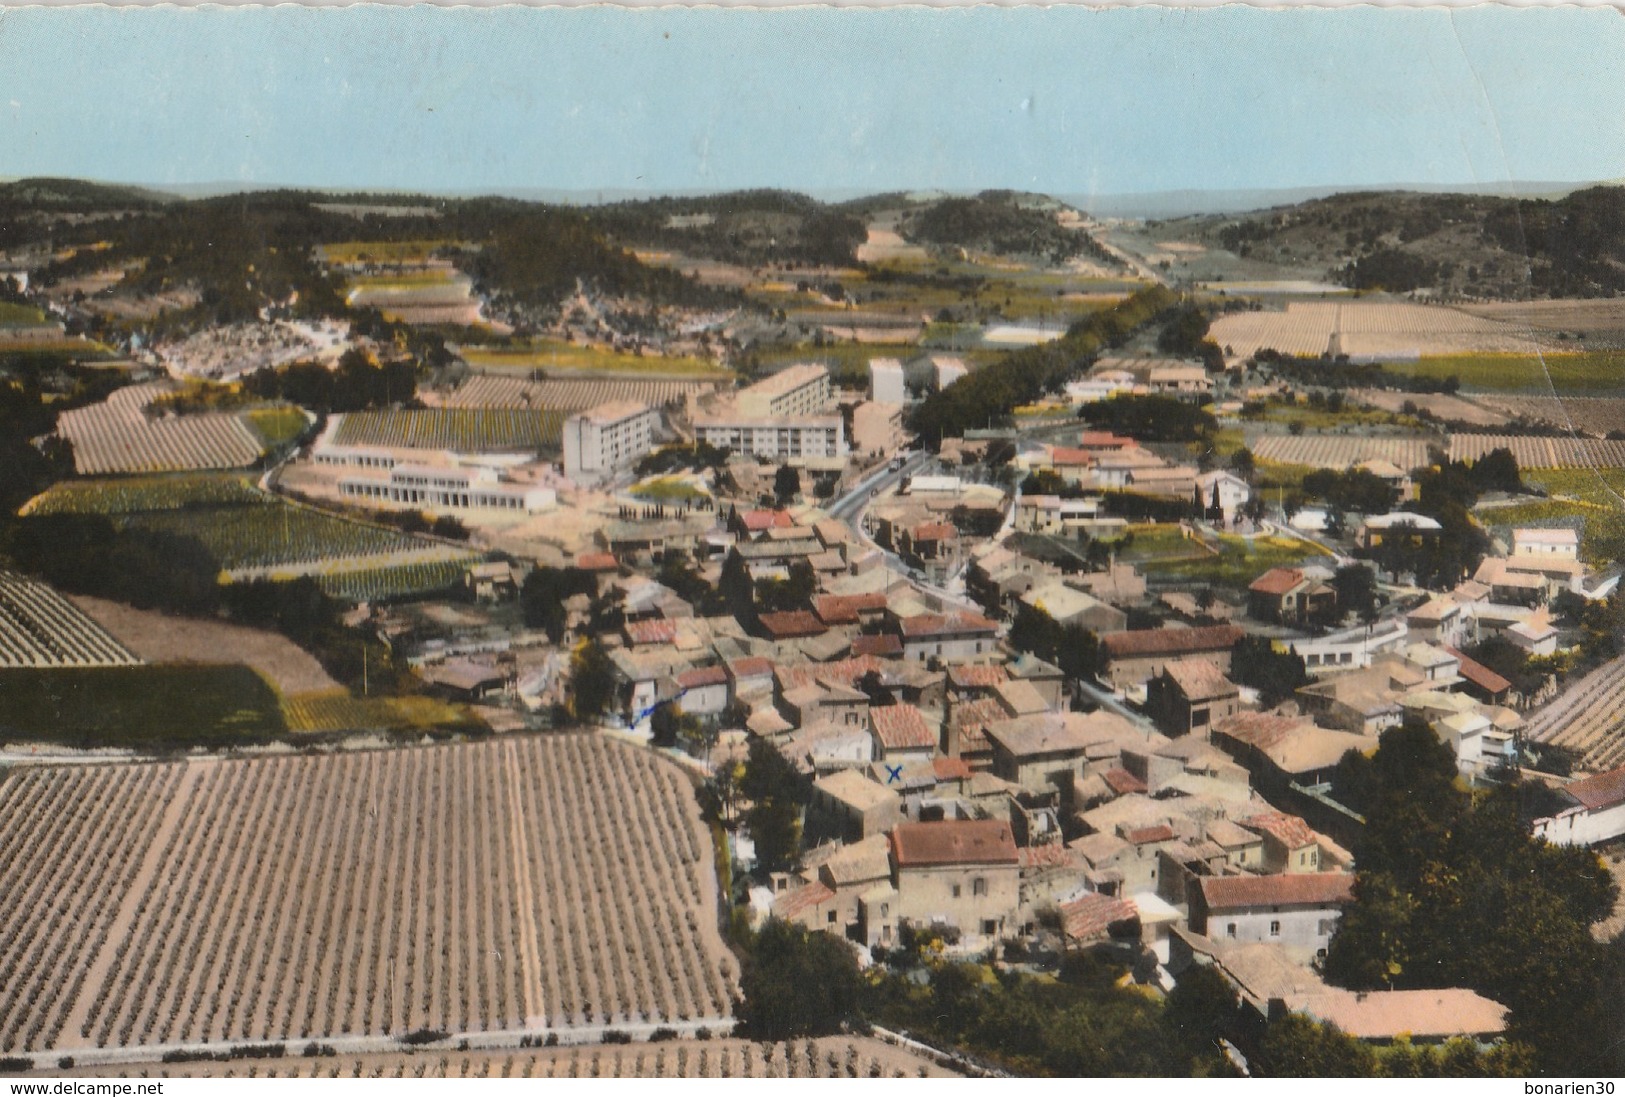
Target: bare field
point(158, 638)
point(1368, 329)
point(1596, 415)
point(1482, 413)
point(831, 1057)
point(531, 884)
point(1594, 320)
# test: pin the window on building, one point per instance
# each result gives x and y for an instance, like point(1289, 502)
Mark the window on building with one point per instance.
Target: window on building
point(1275, 929)
point(831, 918)
point(978, 886)
point(1230, 930)
point(1327, 926)
point(956, 891)
point(989, 927)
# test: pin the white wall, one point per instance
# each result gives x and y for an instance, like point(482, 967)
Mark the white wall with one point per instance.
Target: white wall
point(1580, 827)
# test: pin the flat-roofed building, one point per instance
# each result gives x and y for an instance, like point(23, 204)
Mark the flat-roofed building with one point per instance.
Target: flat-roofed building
point(455, 489)
point(887, 383)
point(608, 437)
point(792, 392)
point(773, 437)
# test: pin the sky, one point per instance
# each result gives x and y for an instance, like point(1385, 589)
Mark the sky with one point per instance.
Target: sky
point(1067, 101)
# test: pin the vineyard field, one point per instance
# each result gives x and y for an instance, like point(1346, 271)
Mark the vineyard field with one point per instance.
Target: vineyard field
point(117, 436)
point(487, 391)
point(523, 883)
point(831, 1057)
point(335, 711)
point(410, 580)
point(465, 430)
point(1541, 453)
point(40, 628)
point(1338, 451)
point(278, 536)
point(554, 356)
point(148, 708)
point(1586, 718)
point(135, 494)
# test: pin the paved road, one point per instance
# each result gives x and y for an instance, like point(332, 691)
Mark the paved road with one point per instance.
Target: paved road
point(494, 1039)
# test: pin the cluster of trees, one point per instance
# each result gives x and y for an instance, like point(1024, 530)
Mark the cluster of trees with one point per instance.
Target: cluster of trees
point(1276, 675)
point(1452, 890)
point(1390, 269)
point(750, 227)
point(777, 794)
point(1341, 373)
point(1073, 648)
point(1151, 418)
point(1354, 490)
point(542, 595)
point(996, 221)
point(592, 681)
point(1184, 333)
point(355, 385)
point(989, 395)
point(1574, 244)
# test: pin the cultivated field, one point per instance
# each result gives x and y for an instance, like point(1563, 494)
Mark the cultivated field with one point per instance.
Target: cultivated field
point(553, 356)
point(831, 1057)
point(117, 436)
point(138, 494)
point(518, 884)
point(1482, 412)
point(484, 391)
point(159, 638)
point(1366, 329)
point(465, 430)
point(1541, 453)
point(1338, 451)
point(1598, 321)
point(412, 579)
point(1597, 372)
point(40, 628)
point(1596, 415)
point(1587, 718)
point(281, 536)
point(334, 709)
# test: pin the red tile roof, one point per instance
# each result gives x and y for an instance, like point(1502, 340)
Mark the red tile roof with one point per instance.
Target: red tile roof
point(791, 624)
point(1276, 581)
point(886, 643)
point(934, 531)
point(795, 903)
point(1066, 456)
point(751, 666)
point(954, 842)
point(1291, 831)
point(1049, 855)
point(1601, 791)
point(902, 727)
point(977, 675)
point(844, 609)
point(1093, 916)
point(946, 624)
point(1479, 674)
point(596, 561)
point(703, 676)
point(1292, 889)
point(758, 520)
point(1122, 782)
point(1145, 836)
point(951, 769)
point(1170, 641)
point(655, 631)
point(1105, 439)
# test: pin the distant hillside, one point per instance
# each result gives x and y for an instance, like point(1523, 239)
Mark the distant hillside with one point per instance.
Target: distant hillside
point(1452, 244)
point(76, 194)
point(999, 222)
point(749, 227)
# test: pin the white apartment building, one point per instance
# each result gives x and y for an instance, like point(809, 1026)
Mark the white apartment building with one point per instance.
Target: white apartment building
point(807, 436)
point(608, 437)
point(797, 391)
point(448, 489)
point(887, 382)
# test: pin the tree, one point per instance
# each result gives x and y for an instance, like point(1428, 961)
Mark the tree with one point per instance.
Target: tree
point(1275, 674)
point(592, 682)
point(797, 984)
point(777, 792)
point(1199, 1011)
point(737, 590)
point(786, 485)
point(1356, 588)
point(1294, 1046)
point(1243, 464)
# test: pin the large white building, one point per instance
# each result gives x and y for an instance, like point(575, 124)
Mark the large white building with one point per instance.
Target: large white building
point(796, 391)
point(450, 489)
point(607, 437)
point(887, 382)
point(785, 416)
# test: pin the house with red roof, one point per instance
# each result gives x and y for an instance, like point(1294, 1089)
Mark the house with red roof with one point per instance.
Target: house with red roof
point(1596, 811)
point(957, 636)
point(1286, 596)
point(1298, 911)
point(902, 732)
point(1138, 655)
point(960, 873)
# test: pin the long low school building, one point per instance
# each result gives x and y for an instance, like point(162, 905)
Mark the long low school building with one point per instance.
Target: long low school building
point(448, 489)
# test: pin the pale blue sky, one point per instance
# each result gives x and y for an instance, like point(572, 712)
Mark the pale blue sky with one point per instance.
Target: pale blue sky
point(1063, 100)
